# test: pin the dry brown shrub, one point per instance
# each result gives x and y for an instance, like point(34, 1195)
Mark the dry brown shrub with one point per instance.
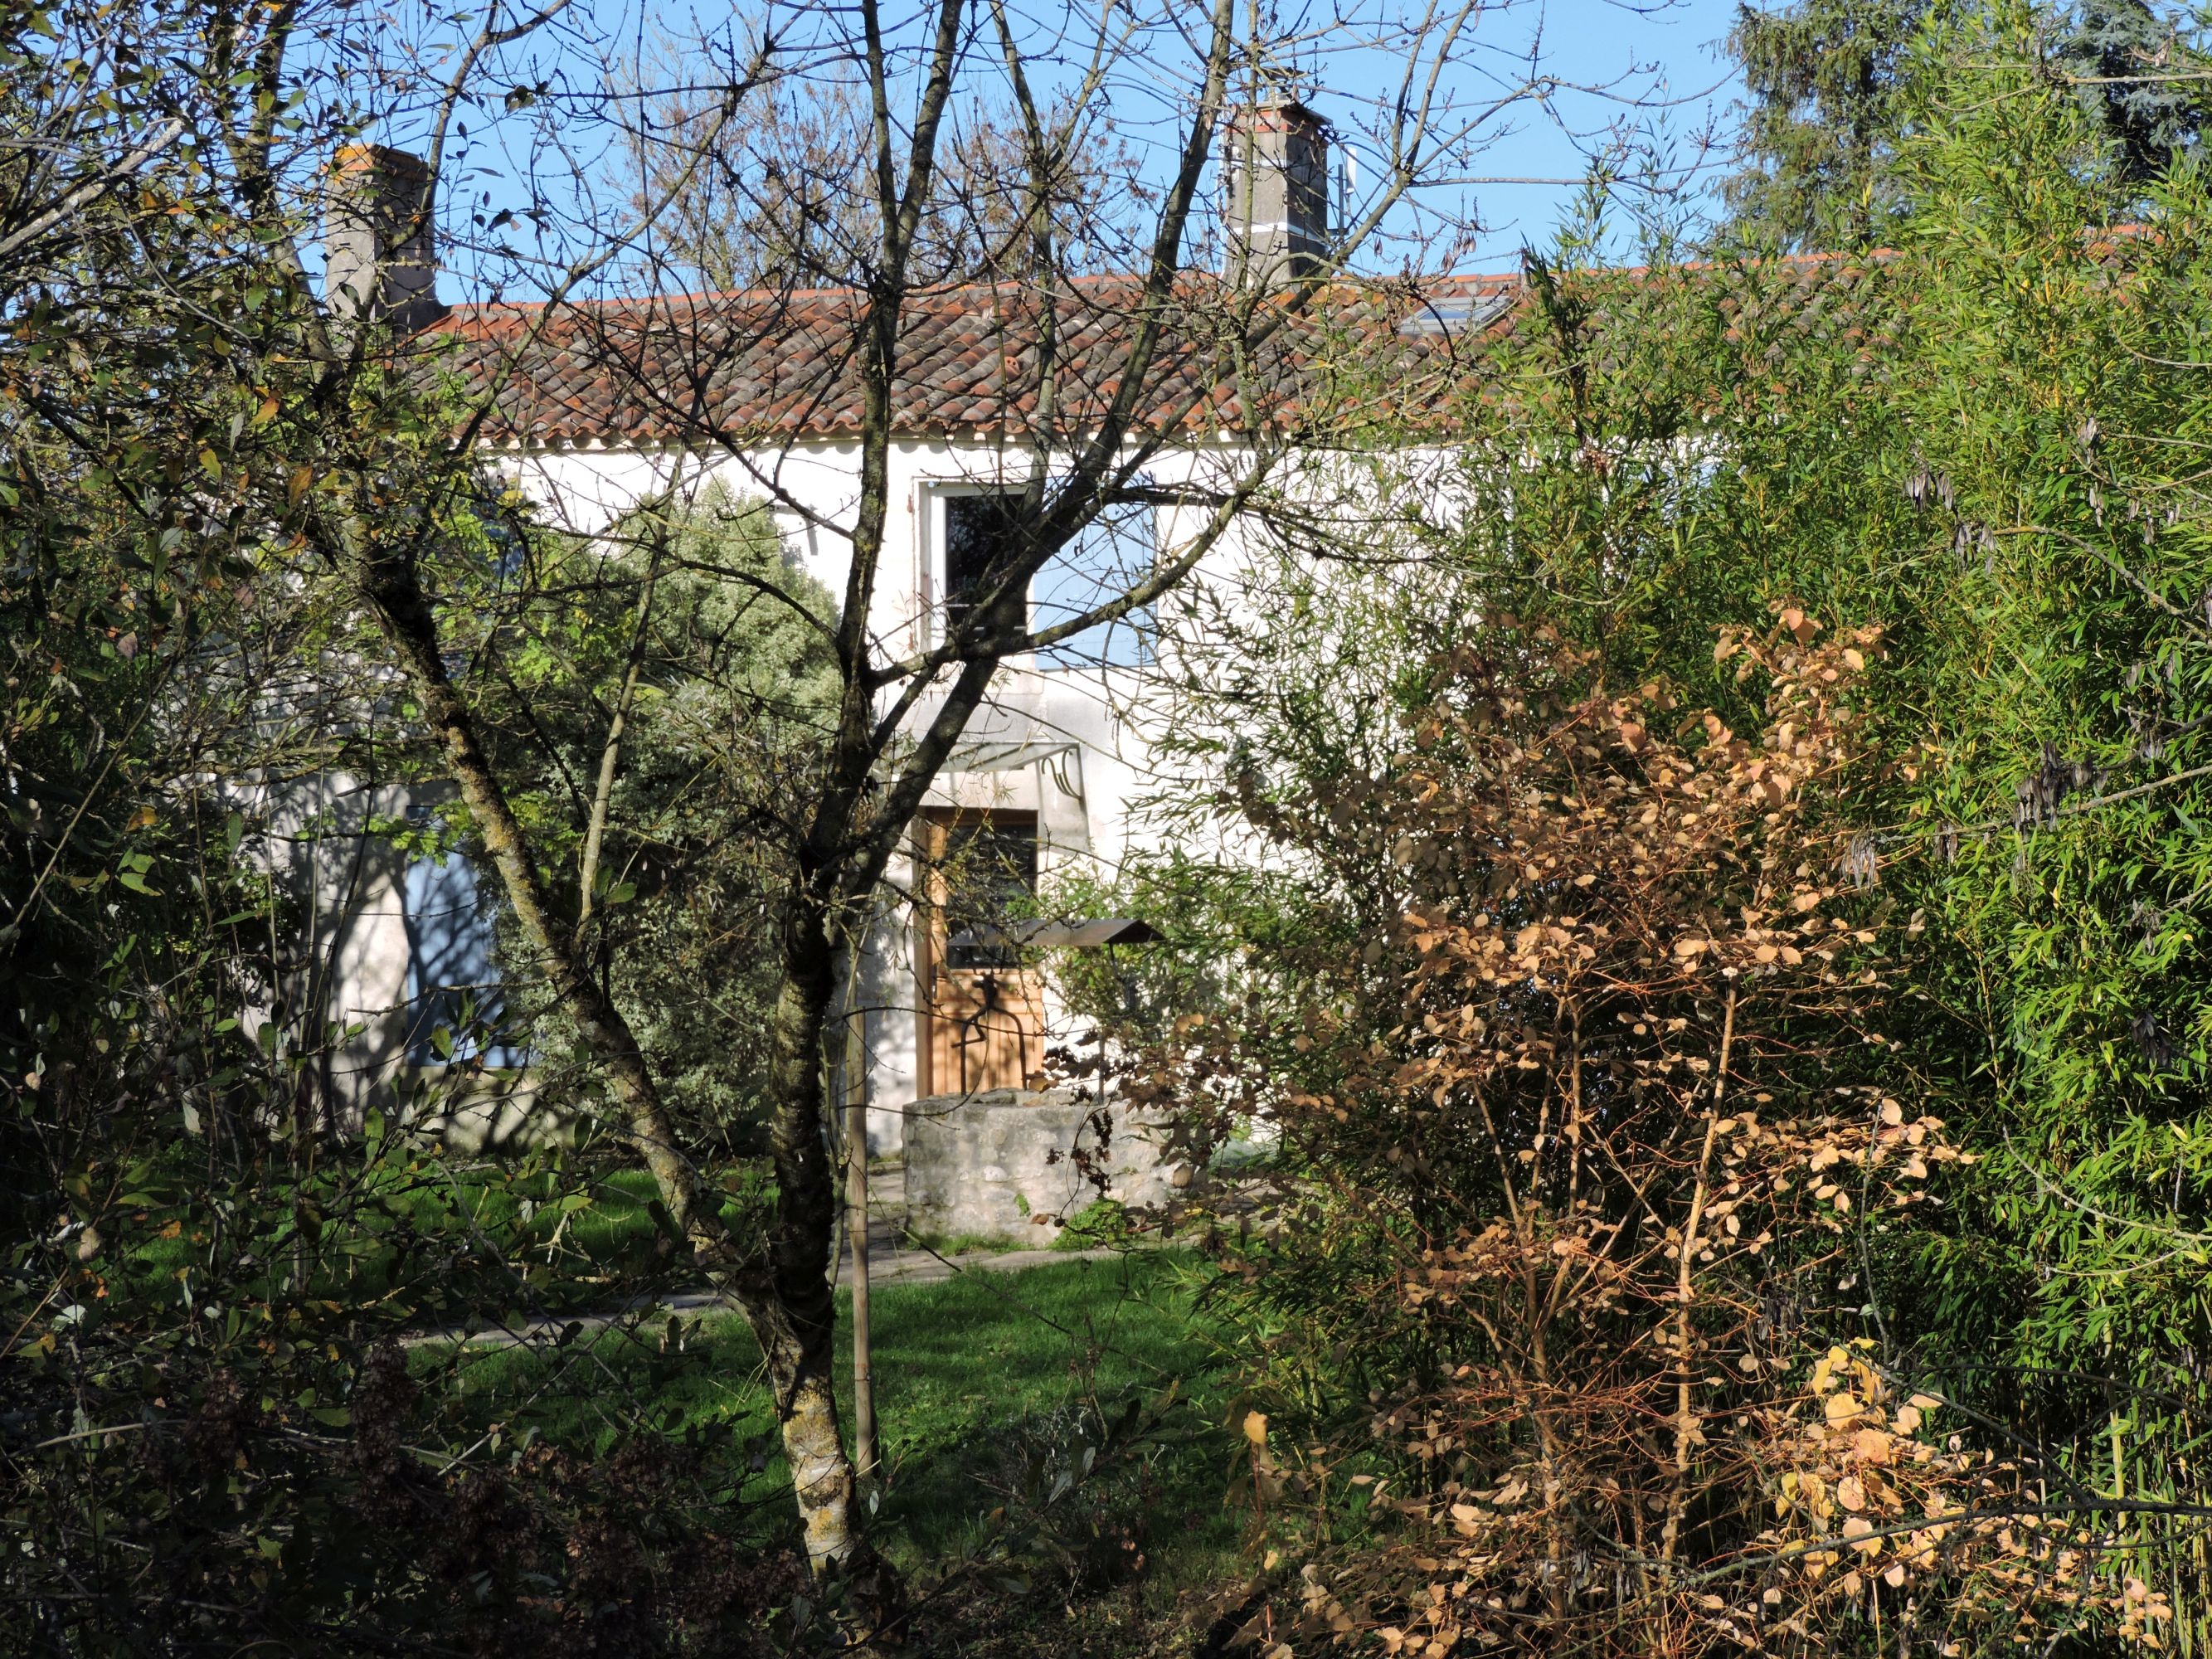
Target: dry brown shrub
point(1606, 1094)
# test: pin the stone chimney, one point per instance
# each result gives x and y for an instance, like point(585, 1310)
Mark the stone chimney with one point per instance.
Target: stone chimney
point(1277, 178)
point(378, 258)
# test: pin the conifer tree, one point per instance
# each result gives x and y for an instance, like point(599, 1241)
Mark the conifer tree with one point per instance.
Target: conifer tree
point(1821, 77)
point(2132, 62)
point(1824, 110)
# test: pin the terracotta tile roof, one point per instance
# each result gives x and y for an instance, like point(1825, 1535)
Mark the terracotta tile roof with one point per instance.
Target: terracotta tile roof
point(761, 368)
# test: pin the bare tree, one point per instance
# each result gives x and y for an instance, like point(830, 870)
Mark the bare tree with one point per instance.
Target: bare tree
point(972, 193)
point(780, 195)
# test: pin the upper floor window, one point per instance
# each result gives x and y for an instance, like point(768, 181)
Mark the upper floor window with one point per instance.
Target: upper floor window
point(1120, 548)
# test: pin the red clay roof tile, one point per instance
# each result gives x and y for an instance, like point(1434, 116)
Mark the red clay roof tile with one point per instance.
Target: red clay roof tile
point(757, 366)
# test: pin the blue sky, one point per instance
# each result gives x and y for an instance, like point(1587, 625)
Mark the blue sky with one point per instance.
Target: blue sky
point(1654, 68)
point(1673, 50)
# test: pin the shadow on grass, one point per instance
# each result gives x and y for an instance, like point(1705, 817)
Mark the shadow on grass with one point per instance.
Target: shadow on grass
point(977, 1378)
point(420, 1238)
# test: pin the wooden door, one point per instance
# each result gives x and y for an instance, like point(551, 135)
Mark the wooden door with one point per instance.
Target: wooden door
point(983, 1013)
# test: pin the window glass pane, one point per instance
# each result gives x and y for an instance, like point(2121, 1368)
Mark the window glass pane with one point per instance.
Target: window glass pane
point(1116, 551)
point(989, 867)
point(453, 1001)
point(976, 531)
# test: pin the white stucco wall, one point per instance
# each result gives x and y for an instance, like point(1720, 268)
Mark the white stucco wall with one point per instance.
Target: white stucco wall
point(1066, 742)
point(345, 989)
point(1063, 741)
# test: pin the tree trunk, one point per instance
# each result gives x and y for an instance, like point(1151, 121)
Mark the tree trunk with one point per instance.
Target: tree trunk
point(790, 1305)
point(801, 1351)
point(800, 1372)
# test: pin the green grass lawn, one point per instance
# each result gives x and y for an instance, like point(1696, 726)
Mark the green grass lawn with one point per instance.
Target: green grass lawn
point(1055, 1438)
point(987, 1385)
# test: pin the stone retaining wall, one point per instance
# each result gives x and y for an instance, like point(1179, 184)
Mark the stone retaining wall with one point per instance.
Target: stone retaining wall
point(984, 1164)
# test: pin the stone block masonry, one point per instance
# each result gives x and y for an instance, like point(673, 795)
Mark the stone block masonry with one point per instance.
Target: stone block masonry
point(991, 1166)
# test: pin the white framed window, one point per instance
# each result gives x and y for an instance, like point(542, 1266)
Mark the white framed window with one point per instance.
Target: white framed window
point(960, 525)
point(962, 529)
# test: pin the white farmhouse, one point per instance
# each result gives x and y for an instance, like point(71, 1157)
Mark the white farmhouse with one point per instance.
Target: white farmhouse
point(599, 406)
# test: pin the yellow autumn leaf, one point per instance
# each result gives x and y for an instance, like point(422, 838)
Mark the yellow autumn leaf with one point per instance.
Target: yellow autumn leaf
point(1256, 1427)
point(1844, 1406)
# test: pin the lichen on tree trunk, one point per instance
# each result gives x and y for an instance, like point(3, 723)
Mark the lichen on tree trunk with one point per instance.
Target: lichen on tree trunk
point(785, 1298)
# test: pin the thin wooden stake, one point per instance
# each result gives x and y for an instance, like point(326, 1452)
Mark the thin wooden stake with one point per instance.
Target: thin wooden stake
point(865, 1456)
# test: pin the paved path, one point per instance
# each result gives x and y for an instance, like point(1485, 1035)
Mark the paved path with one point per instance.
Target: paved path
point(895, 1260)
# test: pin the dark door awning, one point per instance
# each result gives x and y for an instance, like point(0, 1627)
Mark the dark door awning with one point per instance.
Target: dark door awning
point(1064, 935)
